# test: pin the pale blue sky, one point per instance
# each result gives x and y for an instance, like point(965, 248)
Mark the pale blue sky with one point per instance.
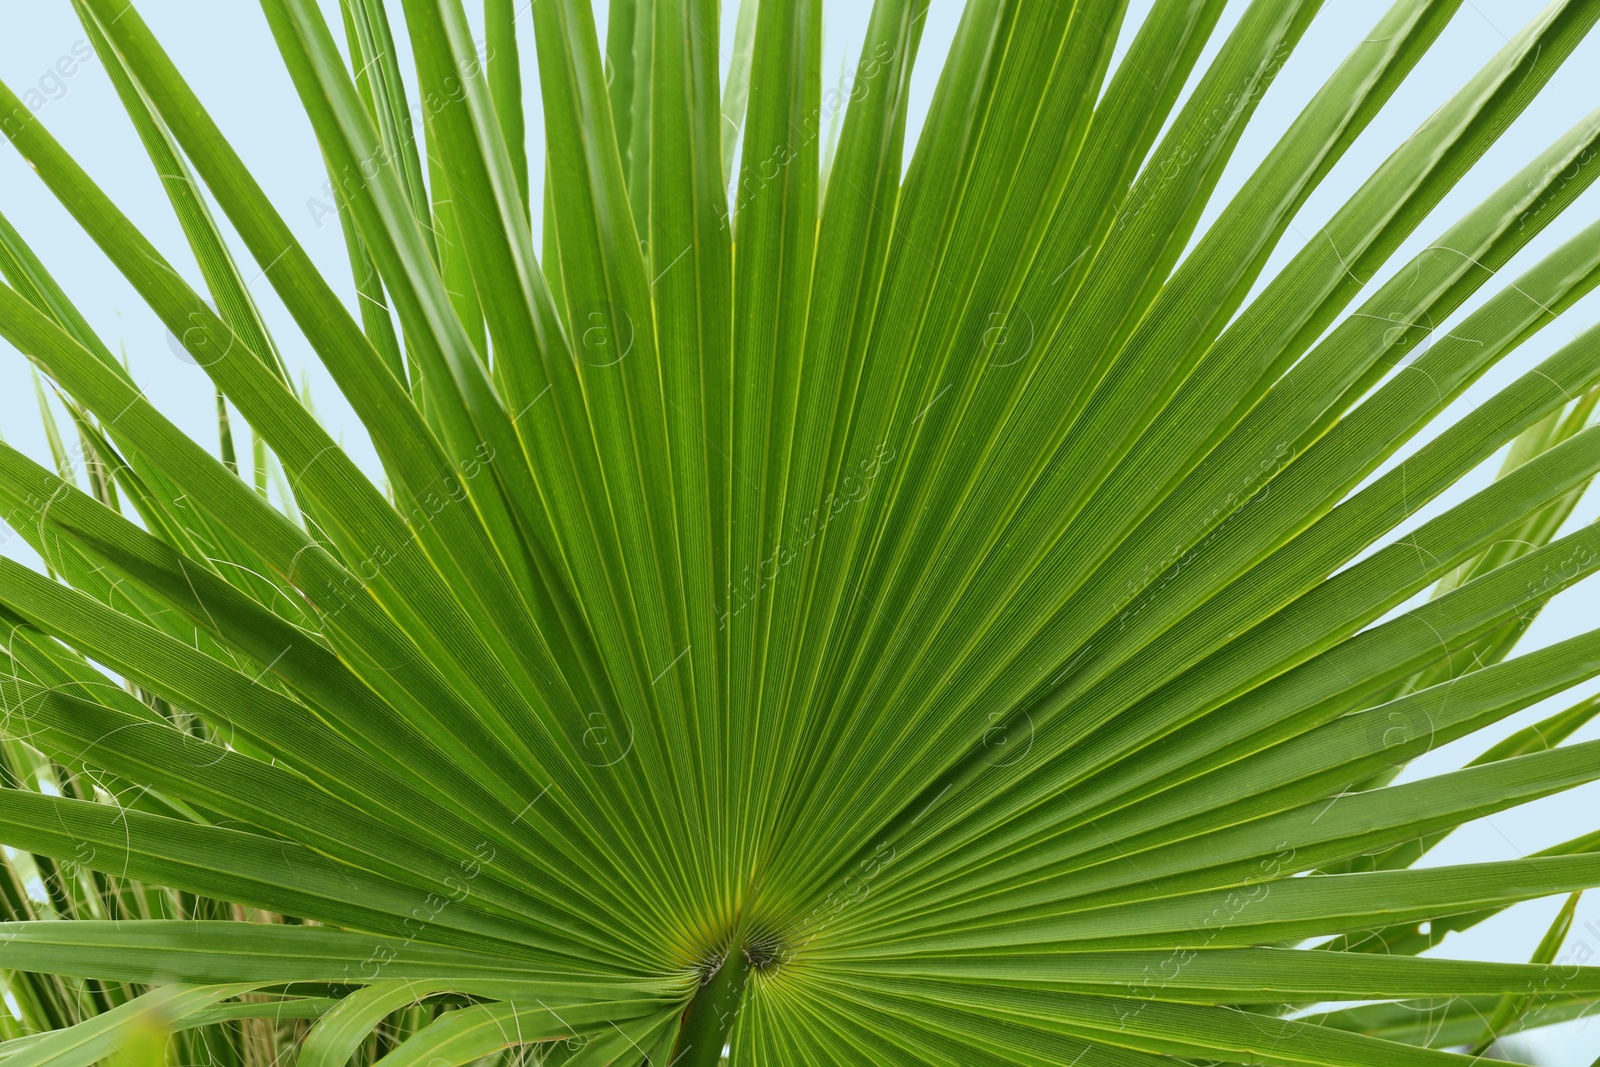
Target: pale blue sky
point(226, 51)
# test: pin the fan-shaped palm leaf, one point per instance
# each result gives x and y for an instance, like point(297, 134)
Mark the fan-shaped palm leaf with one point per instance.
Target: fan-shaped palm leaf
point(901, 609)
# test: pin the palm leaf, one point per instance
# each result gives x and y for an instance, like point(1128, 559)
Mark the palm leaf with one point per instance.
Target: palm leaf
point(826, 599)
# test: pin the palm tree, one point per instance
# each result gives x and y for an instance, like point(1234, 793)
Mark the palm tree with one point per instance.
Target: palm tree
point(901, 613)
